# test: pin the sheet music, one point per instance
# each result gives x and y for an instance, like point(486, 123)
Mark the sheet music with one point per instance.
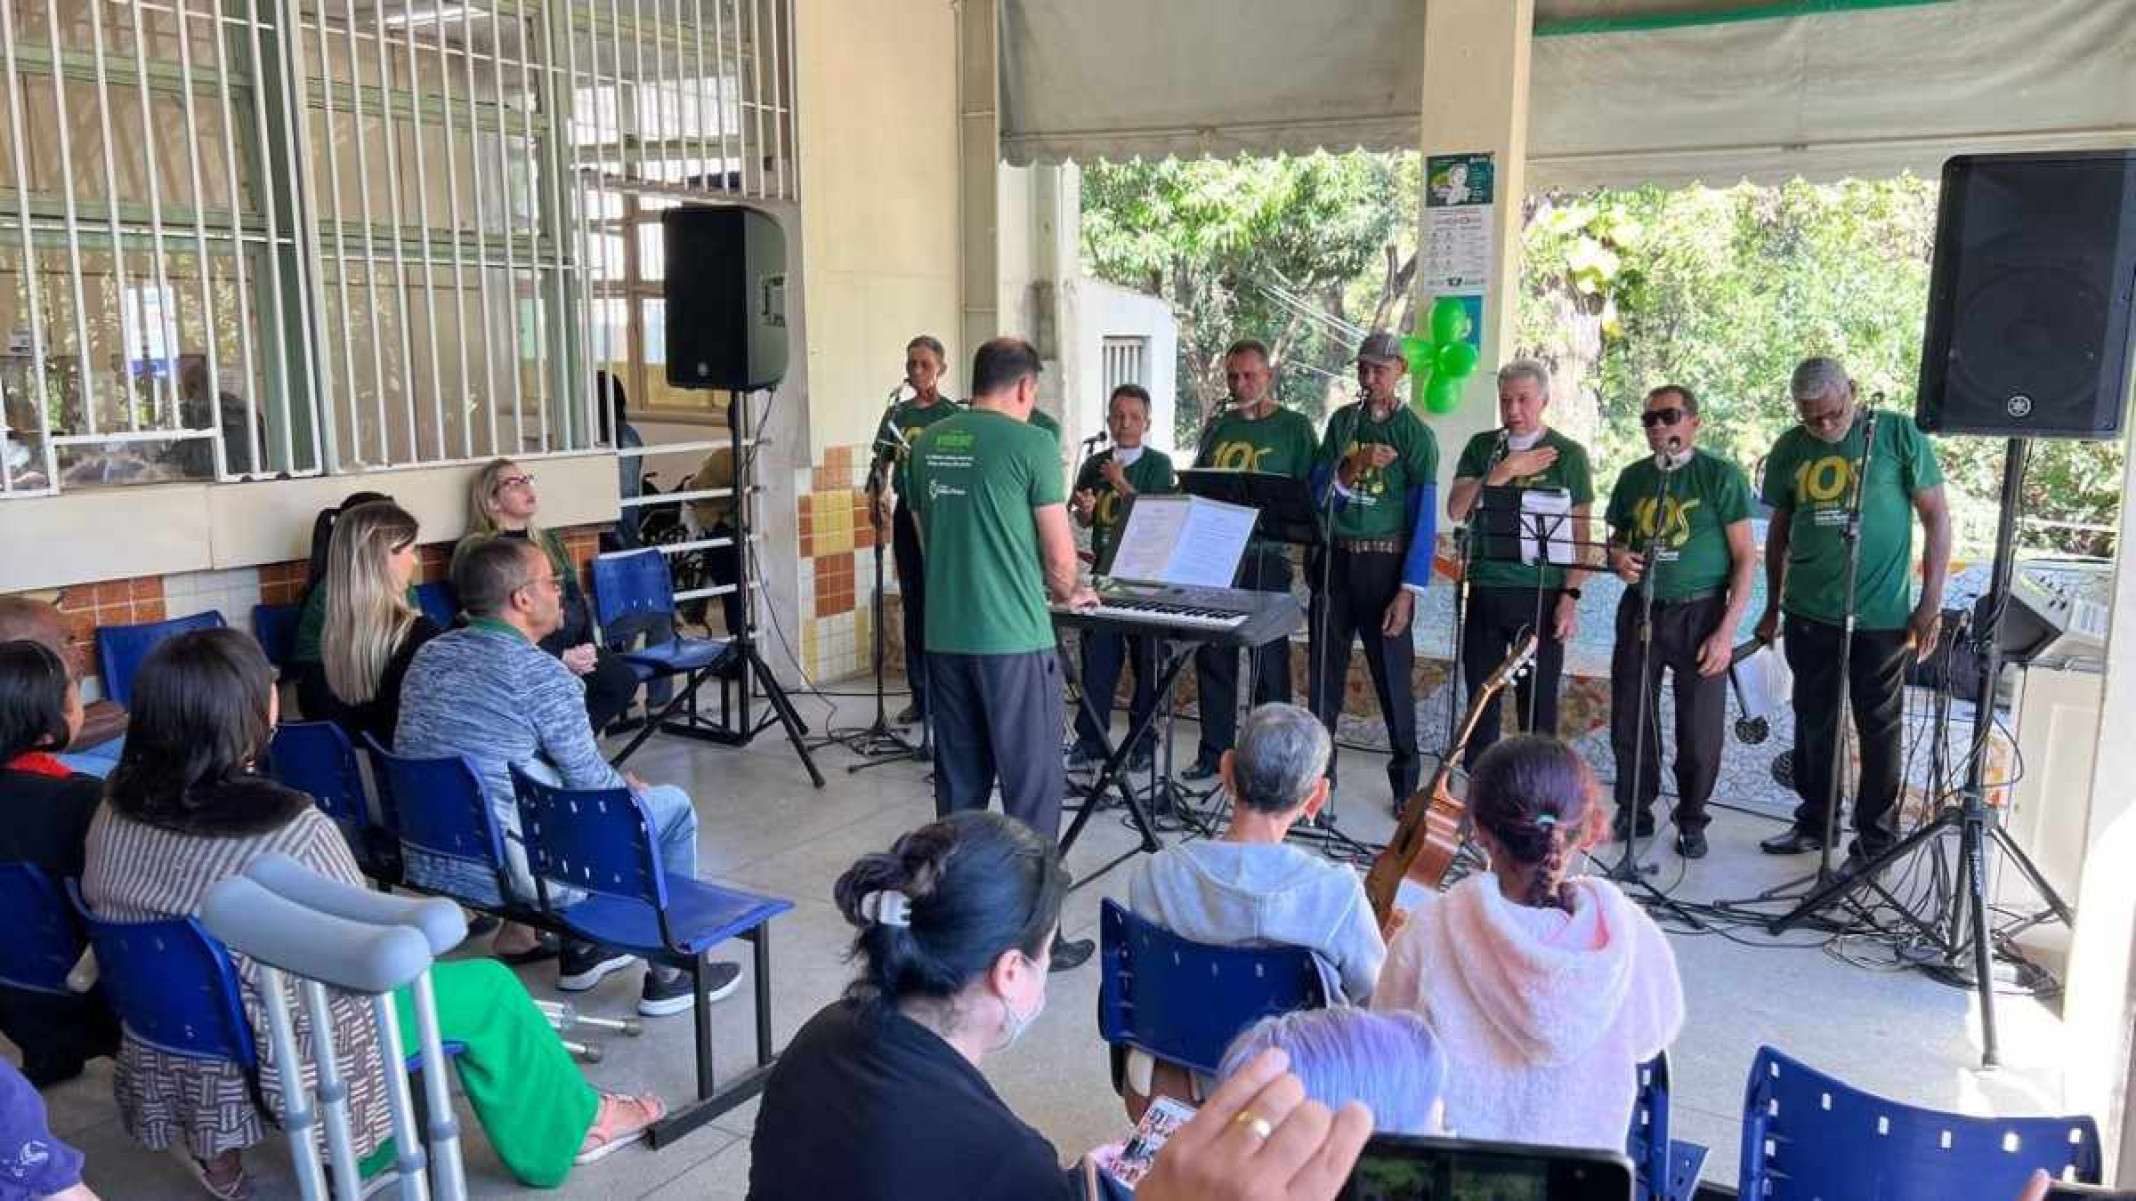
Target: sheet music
point(1182, 540)
point(1546, 512)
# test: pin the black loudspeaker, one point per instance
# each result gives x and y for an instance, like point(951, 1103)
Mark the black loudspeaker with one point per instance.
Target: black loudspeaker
point(726, 298)
point(2032, 296)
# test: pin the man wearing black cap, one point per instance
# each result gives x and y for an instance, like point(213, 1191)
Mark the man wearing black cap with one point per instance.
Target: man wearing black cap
point(1382, 463)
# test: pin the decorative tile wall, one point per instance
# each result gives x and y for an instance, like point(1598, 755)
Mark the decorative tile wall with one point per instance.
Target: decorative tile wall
point(837, 569)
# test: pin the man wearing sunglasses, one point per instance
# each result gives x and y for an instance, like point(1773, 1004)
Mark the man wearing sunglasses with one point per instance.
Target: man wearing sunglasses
point(1684, 515)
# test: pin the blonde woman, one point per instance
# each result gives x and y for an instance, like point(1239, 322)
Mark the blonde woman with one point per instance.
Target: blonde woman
point(502, 501)
point(373, 626)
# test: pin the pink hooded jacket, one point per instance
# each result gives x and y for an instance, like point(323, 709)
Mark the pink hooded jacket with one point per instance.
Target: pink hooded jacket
point(1544, 1015)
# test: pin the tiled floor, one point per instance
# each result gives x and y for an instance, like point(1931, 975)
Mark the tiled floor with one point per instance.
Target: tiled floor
point(763, 826)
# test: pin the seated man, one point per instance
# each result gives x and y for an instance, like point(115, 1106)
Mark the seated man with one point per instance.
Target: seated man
point(1249, 888)
point(488, 692)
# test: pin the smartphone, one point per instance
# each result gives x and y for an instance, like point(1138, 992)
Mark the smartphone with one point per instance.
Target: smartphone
point(1413, 1168)
point(2062, 1190)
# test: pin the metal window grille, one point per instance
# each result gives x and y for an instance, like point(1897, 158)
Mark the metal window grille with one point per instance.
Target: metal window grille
point(1124, 360)
point(247, 238)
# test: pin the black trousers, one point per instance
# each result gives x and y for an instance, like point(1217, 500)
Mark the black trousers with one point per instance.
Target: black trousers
point(1360, 586)
point(1877, 692)
point(1495, 619)
point(1701, 706)
point(912, 587)
point(1103, 655)
point(998, 717)
point(1216, 668)
point(58, 1035)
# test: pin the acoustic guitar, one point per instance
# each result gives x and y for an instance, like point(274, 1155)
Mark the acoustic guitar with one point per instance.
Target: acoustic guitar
point(1428, 839)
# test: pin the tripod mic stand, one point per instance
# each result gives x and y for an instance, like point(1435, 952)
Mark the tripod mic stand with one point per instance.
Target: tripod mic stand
point(881, 742)
point(1967, 948)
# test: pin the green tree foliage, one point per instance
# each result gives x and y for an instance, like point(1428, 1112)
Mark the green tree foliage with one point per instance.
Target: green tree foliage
point(1722, 290)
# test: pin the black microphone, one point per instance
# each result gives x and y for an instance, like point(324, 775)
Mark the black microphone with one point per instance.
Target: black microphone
point(1097, 439)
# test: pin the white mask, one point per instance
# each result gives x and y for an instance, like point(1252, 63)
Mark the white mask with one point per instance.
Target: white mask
point(1013, 1024)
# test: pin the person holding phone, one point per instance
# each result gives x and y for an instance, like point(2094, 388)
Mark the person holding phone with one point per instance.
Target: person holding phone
point(1547, 992)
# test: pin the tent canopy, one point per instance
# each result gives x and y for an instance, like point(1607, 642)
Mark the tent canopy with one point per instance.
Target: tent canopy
point(1623, 92)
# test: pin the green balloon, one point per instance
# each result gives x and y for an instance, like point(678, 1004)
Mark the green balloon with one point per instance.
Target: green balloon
point(1455, 360)
point(1443, 394)
point(1418, 353)
point(1449, 320)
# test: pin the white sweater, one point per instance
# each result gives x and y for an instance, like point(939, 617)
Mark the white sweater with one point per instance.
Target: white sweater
point(1544, 1015)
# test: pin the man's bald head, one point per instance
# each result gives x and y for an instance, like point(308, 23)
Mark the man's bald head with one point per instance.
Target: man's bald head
point(23, 619)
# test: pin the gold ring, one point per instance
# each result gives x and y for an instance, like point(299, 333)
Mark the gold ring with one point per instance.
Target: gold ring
point(1255, 1122)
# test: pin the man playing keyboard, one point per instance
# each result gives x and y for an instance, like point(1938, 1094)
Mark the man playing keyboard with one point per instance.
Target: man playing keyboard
point(1100, 502)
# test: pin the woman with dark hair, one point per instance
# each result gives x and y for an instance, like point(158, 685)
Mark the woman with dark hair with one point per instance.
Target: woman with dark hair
point(1546, 991)
point(373, 625)
point(501, 500)
point(613, 412)
point(185, 809)
point(44, 817)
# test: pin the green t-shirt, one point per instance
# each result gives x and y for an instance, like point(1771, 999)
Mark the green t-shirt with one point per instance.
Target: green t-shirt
point(908, 419)
point(1811, 480)
point(1705, 497)
point(1570, 472)
point(1045, 421)
point(975, 478)
point(1150, 473)
point(1377, 505)
point(1281, 443)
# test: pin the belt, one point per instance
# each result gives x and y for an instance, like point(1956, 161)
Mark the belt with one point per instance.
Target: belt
point(1372, 546)
point(1692, 599)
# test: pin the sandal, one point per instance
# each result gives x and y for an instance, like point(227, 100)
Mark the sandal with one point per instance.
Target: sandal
point(622, 1120)
point(237, 1188)
point(546, 946)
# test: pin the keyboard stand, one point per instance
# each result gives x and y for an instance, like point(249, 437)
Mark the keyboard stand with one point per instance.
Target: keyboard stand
point(1113, 775)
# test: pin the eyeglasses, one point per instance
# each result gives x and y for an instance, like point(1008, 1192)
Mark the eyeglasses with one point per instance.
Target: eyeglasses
point(515, 481)
point(1655, 417)
point(548, 581)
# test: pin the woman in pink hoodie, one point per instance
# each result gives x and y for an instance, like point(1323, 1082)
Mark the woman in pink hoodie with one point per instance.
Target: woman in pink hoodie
point(1546, 992)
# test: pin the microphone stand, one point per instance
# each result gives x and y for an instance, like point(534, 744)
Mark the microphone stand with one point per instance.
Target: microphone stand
point(882, 742)
point(1464, 538)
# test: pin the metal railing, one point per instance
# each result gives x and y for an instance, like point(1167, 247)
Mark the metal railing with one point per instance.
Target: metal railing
point(263, 238)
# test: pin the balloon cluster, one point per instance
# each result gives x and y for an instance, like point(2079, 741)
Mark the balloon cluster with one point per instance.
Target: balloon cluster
point(1440, 355)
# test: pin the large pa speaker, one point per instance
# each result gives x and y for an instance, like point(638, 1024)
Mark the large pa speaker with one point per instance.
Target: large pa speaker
point(2031, 296)
point(726, 298)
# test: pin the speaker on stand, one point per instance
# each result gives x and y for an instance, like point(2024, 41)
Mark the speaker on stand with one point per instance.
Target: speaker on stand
point(2031, 300)
point(725, 287)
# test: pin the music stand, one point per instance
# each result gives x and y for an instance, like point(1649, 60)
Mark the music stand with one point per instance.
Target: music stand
point(1509, 528)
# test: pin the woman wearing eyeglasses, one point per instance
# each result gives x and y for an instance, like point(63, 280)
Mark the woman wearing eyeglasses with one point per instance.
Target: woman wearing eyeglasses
point(503, 501)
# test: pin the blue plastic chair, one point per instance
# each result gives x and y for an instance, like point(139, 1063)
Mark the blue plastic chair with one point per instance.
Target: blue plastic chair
point(1667, 1168)
point(436, 601)
point(1183, 1001)
point(1806, 1135)
point(276, 628)
point(173, 987)
point(315, 758)
point(633, 593)
point(601, 842)
point(450, 843)
point(43, 943)
point(120, 649)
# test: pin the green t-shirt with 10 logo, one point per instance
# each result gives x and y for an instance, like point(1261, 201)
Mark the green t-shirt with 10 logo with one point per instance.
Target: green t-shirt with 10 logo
point(1812, 480)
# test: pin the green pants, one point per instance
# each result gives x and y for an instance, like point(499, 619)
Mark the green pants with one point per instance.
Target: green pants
point(526, 1092)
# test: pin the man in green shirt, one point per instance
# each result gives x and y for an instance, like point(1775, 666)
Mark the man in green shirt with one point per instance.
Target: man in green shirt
point(989, 493)
point(1810, 483)
point(1253, 434)
point(1690, 511)
point(924, 363)
point(1505, 596)
point(1383, 464)
point(1102, 491)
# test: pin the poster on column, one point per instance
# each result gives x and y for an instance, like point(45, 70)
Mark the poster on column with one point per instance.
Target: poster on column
point(1460, 205)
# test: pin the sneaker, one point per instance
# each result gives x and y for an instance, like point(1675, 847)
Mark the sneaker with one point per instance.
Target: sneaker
point(583, 965)
point(667, 990)
point(1691, 844)
point(1621, 828)
point(1069, 955)
point(1793, 841)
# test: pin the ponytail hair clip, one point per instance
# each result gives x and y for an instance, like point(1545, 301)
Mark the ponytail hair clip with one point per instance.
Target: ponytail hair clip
point(1546, 821)
point(887, 907)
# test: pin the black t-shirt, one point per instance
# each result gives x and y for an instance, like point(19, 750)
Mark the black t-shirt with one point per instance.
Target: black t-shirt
point(380, 715)
point(47, 819)
point(868, 1105)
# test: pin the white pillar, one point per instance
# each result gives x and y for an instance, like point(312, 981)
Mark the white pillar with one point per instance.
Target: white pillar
point(1476, 55)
